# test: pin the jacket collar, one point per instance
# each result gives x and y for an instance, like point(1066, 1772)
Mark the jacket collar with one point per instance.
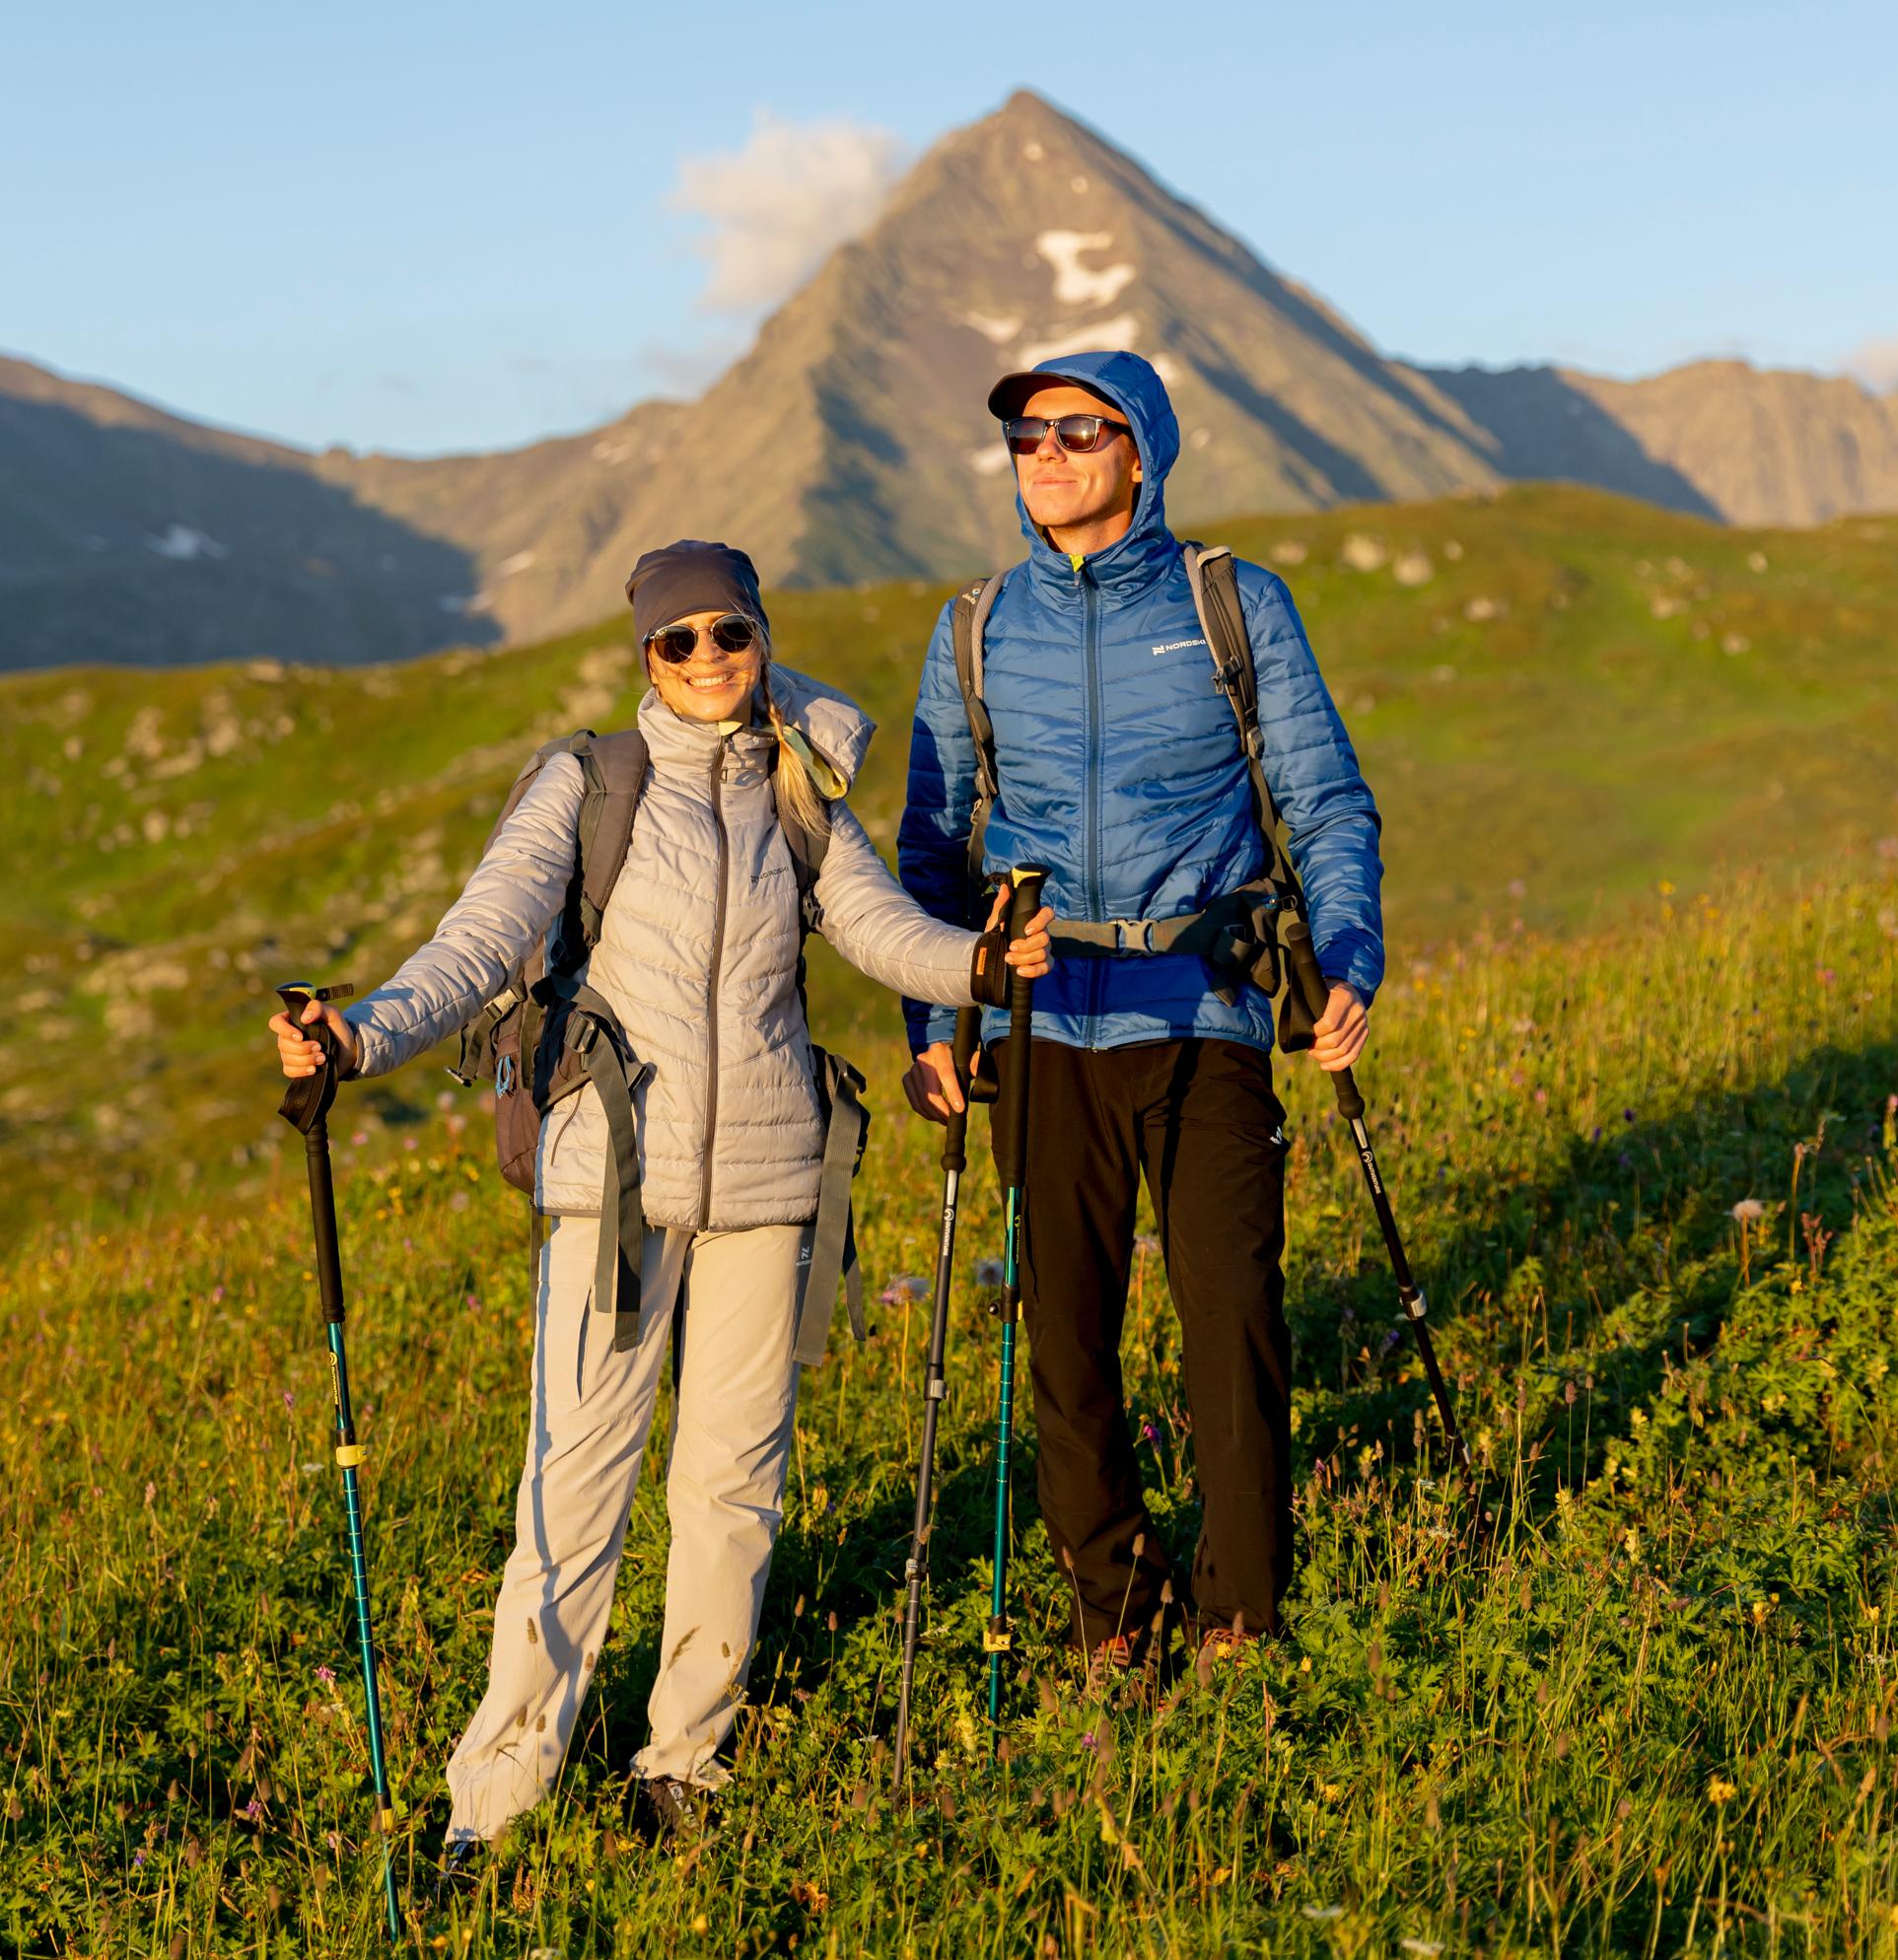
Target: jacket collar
point(837, 730)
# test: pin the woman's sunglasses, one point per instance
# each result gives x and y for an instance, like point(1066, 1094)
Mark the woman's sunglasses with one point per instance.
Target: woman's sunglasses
point(731, 635)
point(1077, 434)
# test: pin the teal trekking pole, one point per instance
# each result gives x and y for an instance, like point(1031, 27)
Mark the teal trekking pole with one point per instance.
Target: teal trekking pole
point(306, 1107)
point(969, 1026)
point(1012, 1159)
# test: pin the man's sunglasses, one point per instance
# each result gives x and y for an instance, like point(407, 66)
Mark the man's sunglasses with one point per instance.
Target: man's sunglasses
point(1077, 434)
point(731, 635)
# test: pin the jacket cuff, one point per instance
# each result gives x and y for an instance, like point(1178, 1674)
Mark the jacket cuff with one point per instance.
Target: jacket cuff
point(926, 1024)
point(1357, 959)
point(372, 1049)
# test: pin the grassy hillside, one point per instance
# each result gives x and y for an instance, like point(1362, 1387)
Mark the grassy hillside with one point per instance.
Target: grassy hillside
point(1561, 700)
point(1648, 1177)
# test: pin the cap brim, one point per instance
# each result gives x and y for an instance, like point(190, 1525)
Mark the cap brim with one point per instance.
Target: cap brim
point(1007, 396)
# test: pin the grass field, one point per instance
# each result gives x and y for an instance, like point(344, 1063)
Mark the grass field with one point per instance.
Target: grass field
point(1562, 699)
point(1634, 1084)
point(1648, 1177)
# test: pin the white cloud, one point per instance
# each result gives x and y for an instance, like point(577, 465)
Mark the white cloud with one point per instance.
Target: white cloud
point(1875, 363)
point(775, 207)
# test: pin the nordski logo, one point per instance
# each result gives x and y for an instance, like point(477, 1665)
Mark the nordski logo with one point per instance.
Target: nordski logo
point(1176, 646)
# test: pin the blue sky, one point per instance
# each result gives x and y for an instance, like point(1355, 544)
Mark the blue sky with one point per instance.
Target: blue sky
point(422, 228)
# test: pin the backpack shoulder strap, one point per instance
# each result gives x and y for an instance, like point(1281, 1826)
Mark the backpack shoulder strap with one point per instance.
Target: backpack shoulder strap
point(968, 621)
point(615, 768)
point(1213, 573)
point(809, 843)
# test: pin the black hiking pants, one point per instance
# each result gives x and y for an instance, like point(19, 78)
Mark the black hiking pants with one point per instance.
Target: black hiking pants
point(1199, 1119)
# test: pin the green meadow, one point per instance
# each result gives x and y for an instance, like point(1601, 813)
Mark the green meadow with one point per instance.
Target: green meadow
point(1634, 1080)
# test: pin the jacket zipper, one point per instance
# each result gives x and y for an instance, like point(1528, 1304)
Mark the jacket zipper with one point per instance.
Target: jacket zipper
point(712, 987)
point(1090, 776)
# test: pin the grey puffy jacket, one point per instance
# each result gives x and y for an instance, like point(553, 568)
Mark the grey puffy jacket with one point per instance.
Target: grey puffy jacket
point(698, 957)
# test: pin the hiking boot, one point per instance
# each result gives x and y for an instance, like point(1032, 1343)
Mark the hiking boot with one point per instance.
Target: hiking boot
point(1220, 1645)
point(669, 1812)
point(464, 1865)
point(1111, 1659)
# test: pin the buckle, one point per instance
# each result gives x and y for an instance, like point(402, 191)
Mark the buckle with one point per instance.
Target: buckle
point(581, 1032)
point(1134, 936)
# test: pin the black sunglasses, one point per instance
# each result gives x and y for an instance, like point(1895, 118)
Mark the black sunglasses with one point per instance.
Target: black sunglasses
point(678, 644)
point(1077, 434)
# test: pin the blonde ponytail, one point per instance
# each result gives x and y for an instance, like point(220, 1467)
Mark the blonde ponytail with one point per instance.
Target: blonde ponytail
point(796, 784)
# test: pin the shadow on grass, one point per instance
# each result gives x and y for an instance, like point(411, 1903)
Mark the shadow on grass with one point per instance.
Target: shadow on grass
point(1643, 1211)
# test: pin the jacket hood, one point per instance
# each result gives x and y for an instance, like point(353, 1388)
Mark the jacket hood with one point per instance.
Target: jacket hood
point(829, 720)
point(1137, 391)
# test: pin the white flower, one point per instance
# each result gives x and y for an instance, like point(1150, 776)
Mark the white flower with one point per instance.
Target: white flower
point(1749, 1211)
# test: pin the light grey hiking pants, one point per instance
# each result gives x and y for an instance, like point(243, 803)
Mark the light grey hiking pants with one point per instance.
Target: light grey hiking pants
point(724, 1492)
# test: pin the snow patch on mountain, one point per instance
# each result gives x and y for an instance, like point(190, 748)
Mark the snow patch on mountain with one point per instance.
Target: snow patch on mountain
point(999, 330)
point(184, 543)
point(1073, 284)
point(1123, 330)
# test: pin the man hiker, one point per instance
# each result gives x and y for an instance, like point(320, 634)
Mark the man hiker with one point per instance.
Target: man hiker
point(1119, 764)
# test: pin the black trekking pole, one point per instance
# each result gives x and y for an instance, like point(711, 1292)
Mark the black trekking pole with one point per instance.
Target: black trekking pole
point(1011, 1153)
point(306, 1107)
point(968, 1033)
point(1294, 936)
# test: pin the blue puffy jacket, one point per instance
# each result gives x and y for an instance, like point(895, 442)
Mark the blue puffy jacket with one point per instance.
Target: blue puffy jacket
point(1121, 769)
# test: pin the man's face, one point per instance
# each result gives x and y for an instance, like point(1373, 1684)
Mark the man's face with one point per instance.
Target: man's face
point(1062, 490)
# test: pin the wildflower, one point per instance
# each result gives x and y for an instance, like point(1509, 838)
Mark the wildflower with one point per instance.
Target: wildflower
point(288, 1400)
point(138, 1858)
point(1749, 1211)
point(471, 1300)
point(253, 1810)
point(990, 1271)
point(1826, 976)
point(1720, 1790)
point(327, 1677)
point(217, 1294)
point(1145, 1241)
point(1149, 1434)
point(903, 1288)
point(359, 1138)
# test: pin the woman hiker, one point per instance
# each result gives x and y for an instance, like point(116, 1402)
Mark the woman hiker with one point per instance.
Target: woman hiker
point(698, 958)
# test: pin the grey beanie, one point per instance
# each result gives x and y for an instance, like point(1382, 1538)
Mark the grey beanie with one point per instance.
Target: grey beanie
point(691, 576)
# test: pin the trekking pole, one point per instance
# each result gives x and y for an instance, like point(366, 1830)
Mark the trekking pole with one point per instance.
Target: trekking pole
point(1294, 936)
point(1012, 1155)
point(968, 1032)
point(306, 1107)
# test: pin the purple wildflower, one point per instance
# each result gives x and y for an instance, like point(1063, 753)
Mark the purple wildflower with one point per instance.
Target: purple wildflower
point(327, 1677)
point(1150, 1435)
point(288, 1400)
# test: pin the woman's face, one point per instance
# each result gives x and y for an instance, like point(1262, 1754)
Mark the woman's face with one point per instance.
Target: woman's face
point(713, 685)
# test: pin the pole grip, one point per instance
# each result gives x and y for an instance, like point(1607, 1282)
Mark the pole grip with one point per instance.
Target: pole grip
point(1315, 993)
point(1024, 902)
point(968, 1034)
point(306, 1100)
